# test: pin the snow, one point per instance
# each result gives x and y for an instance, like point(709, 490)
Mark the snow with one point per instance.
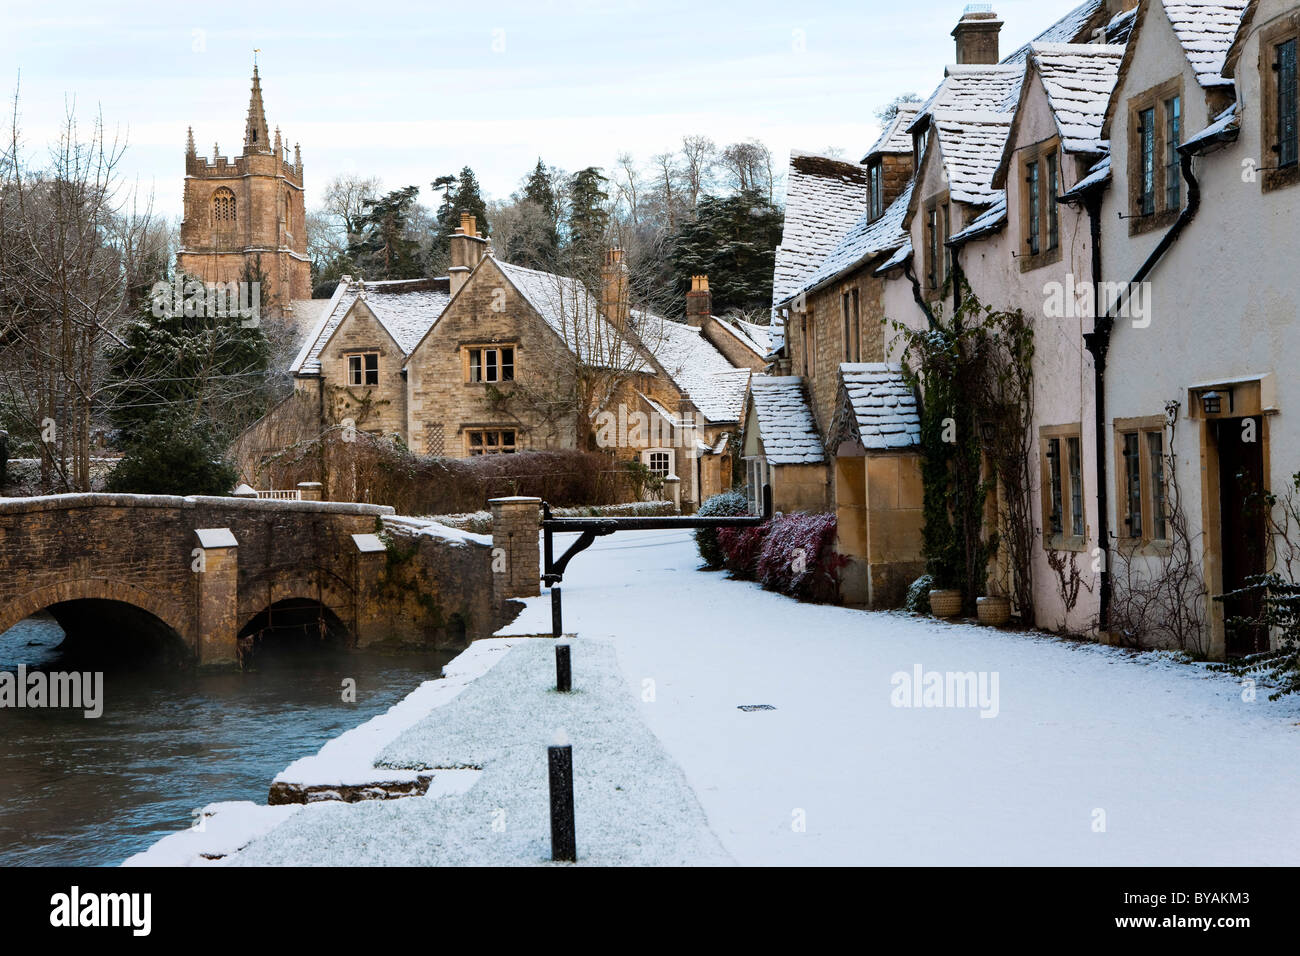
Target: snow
point(224, 828)
point(894, 138)
point(1078, 79)
point(406, 308)
point(990, 220)
point(865, 240)
point(786, 425)
point(971, 144)
point(425, 527)
point(696, 367)
point(1071, 28)
point(1161, 747)
point(824, 198)
point(1225, 122)
point(632, 805)
point(1099, 173)
point(1206, 29)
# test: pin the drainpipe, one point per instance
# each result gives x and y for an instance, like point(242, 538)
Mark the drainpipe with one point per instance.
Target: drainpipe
point(1098, 343)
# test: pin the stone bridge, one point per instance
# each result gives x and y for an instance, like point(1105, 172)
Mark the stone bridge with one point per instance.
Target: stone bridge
point(210, 571)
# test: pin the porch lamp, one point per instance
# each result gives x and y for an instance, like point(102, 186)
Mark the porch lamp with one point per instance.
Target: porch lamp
point(1212, 402)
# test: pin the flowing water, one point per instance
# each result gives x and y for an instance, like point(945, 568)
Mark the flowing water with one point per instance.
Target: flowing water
point(84, 791)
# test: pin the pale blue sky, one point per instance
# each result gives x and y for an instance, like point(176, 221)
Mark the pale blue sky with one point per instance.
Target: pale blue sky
point(410, 90)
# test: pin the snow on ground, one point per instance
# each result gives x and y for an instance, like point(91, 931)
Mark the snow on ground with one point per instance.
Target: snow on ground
point(632, 804)
point(223, 829)
point(1179, 764)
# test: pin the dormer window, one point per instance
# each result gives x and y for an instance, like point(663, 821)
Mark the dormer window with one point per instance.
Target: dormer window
point(1154, 165)
point(876, 190)
point(938, 257)
point(1040, 220)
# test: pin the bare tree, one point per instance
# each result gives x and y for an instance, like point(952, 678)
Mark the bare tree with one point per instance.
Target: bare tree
point(699, 160)
point(748, 167)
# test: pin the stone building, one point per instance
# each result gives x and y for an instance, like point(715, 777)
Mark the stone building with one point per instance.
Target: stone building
point(248, 209)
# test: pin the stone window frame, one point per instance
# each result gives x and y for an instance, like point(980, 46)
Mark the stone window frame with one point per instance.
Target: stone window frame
point(1048, 210)
point(937, 257)
point(224, 207)
point(647, 455)
point(499, 348)
point(365, 373)
point(757, 474)
point(1155, 99)
point(1069, 538)
point(491, 440)
point(851, 315)
point(1142, 427)
point(1285, 27)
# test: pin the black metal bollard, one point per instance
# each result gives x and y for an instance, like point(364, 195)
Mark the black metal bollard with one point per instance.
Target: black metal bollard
point(563, 669)
point(557, 612)
point(564, 847)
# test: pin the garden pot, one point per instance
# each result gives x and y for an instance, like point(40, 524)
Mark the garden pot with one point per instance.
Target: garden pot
point(945, 603)
point(993, 611)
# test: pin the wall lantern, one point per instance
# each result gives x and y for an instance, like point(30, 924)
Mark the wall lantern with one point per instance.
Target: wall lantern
point(1212, 402)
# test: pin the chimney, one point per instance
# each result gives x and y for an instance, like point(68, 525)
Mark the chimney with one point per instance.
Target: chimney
point(613, 294)
point(977, 35)
point(699, 302)
point(467, 251)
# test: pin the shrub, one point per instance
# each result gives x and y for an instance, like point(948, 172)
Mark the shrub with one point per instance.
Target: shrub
point(799, 557)
point(172, 458)
point(727, 504)
point(918, 595)
point(741, 548)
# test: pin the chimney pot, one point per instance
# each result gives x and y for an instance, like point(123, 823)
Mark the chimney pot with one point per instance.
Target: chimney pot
point(699, 302)
point(976, 34)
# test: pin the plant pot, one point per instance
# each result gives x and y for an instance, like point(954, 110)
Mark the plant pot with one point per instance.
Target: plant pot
point(993, 611)
point(945, 603)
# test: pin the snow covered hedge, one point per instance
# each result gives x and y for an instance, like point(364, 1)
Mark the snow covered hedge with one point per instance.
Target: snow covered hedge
point(793, 554)
point(727, 504)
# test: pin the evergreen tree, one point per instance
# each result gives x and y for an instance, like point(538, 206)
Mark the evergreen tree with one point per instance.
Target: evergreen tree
point(588, 216)
point(384, 249)
point(733, 241)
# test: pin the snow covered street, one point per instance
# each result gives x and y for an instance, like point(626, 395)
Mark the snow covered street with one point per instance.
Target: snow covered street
point(1095, 756)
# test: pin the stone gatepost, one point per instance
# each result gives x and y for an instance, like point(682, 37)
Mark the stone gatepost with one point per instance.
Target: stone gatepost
point(310, 490)
point(516, 555)
point(215, 565)
point(368, 562)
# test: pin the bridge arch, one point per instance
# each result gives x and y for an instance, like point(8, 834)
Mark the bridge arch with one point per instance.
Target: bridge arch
point(93, 589)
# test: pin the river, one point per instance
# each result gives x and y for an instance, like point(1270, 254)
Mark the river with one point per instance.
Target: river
point(80, 791)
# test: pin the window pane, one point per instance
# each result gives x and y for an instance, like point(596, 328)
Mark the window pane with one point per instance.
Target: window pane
point(1033, 201)
point(476, 365)
point(1054, 480)
point(1076, 487)
point(354, 369)
point(1173, 137)
point(1133, 481)
point(490, 357)
point(372, 369)
point(476, 438)
point(1053, 219)
point(1156, 447)
point(1147, 133)
point(1287, 152)
point(507, 365)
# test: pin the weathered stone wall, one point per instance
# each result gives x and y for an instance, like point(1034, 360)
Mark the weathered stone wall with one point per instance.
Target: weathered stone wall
point(379, 409)
point(828, 345)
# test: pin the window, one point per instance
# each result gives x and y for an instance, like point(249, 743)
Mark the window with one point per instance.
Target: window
point(852, 325)
point(809, 344)
point(1140, 452)
point(1288, 152)
point(938, 226)
point(490, 364)
point(1155, 166)
point(1279, 102)
point(490, 441)
point(223, 206)
point(363, 368)
point(659, 461)
point(1040, 219)
point(1064, 521)
point(876, 190)
point(1173, 138)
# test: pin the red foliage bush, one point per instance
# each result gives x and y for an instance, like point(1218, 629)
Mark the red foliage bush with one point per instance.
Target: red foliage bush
point(793, 554)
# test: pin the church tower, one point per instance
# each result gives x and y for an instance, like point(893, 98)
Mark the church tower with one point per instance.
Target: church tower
point(239, 209)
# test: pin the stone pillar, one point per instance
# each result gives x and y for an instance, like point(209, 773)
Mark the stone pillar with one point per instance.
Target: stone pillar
point(215, 565)
point(309, 490)
point(516, 555)
point(4, 458)
point(368, 563)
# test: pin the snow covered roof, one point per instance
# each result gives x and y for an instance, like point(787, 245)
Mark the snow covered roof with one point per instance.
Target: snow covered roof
point(894, 138)
point(990, 220)
point(1100, 173)
point(903, 254)
point(971, 144)
point(406, 308)
point(1206, 29)
point(883, 403)
point(1078, 79)
point(756, 338)
point(786, 425)
point(865, 240)
point(824, 198)
point(1225, 126)
point(696, 367)
point(1071, 28)
point(973, 88)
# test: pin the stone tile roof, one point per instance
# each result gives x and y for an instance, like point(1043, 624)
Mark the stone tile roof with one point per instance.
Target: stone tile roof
point(903, 254)
point(1099, 174)
point(1206, 29)
point(406, 308)
point(973, 88)
point(824, 197)
point(894, 138)
point(884, 404)
point(1071, 28)
point(990, 220)
point(785, 422)
point(1078, 79)
point(1227, 122)
point(972, 144)
point(865, 240)
point(757, 338)
point(696, 367)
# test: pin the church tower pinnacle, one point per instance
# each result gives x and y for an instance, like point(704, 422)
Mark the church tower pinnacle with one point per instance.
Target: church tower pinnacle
point(256, 139)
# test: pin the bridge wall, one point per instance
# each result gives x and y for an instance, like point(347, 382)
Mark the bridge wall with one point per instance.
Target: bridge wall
point(147, 551)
